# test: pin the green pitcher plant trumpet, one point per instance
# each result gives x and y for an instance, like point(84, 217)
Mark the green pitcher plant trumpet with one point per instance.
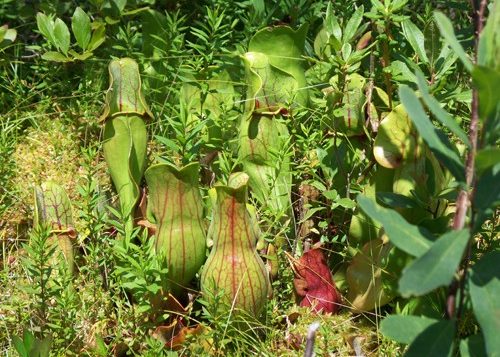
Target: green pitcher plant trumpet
point(125, 135)
point(53, 209)
point(176, 210)
point(233, 266)
point(276, 85)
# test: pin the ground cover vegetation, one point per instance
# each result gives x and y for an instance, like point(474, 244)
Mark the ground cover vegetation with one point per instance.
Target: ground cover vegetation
point(249, 177)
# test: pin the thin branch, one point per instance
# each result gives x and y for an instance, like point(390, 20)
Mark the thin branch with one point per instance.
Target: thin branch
point(464, 198)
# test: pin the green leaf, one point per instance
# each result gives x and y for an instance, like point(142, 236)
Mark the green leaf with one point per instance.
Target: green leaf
point(487, 158)
point(46, 27)
point(353, 24)
point(438, 111)
point(473, 346)
point(80, 24)
point(98, 37)
point(42, 348)
point(484, 282)
point(446, 29)
point(411, 239)
point(487, 195)
point(486, 80)
point(404, 329)
point(437, 141)
point(55, 56)
point(331, 24)
point(435, 340)
point(436, 267)
point(416, 39)
point(61, 35)
point(396, 200)
point(19, 346)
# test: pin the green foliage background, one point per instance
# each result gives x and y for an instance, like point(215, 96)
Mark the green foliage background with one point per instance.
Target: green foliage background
point(372, 165)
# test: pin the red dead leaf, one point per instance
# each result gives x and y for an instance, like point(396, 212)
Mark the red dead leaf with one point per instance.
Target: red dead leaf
point(174, 335)
point(313, 281)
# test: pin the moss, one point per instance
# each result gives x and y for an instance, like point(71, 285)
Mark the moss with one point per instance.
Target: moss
point(49, 152)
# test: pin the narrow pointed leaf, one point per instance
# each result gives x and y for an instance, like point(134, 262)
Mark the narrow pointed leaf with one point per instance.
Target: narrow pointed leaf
point(437, 141)
point(416, 39)
point(353, 24)
point(484, 282)
point(436, 267)
point(446, 29)
point(411, 239)
point(436, 109)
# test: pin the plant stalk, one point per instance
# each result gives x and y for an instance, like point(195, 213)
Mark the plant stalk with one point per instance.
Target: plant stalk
point(464, 197)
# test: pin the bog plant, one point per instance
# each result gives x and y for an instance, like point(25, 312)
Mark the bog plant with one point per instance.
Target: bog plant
point(88, 36)
point(332, 134)
point(125, 135)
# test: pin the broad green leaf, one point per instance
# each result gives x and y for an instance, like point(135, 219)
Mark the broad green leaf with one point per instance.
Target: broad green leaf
point(437, 141)
point(45, 25)
point(473, 346)
point(484, 283)
point(436, 267)
point(28, 339)
point(411, 239)
point(353, 24)
point(436, 340)
point(397, 141)
point(487, 158)
point(61, 35)
point(438, 111)
point(487, 194)
point(7, 36)
point(416, 39)
point(446, 29)
point(404, 329)
point(19, 346)
point(396, 200)
point(486, 81)
point(55, 56)
point(80, 24)
point(154, 33)
point(488, 53)
point(98, 37)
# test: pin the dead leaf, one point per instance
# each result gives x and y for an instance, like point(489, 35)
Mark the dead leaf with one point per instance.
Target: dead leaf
point(174, 335)
point(313, 281)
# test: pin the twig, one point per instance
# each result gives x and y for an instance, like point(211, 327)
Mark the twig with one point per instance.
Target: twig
point(464, 198)
point(311, 335)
